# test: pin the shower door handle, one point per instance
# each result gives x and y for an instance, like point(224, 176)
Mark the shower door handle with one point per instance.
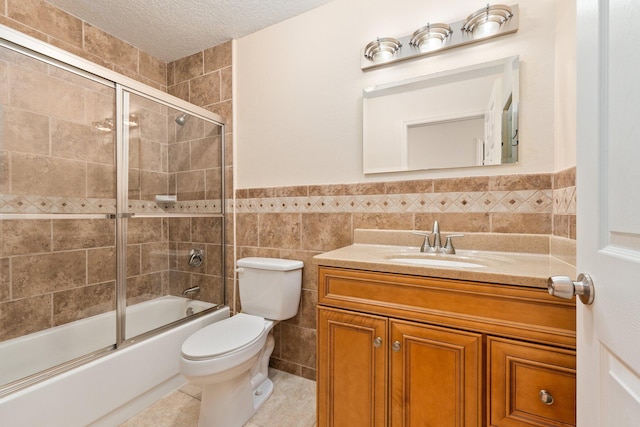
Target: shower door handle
point(121, 215)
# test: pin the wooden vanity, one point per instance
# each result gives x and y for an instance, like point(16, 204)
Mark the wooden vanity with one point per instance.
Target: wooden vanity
point(397, 349)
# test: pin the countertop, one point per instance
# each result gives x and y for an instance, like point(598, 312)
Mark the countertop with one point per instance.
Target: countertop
point(509, 268)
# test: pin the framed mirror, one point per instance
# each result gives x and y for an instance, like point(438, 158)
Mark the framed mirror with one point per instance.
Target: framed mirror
point(467, 117)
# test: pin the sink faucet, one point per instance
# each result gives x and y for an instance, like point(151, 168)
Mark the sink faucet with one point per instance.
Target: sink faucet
point(437, 241)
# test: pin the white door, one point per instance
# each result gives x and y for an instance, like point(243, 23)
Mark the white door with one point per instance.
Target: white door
point(608, 183)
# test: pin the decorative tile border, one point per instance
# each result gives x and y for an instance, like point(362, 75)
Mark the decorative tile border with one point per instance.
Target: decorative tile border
point(10, 204)
point(522, 201)
point(43, 204)
point(560, 201)
point(564, 201)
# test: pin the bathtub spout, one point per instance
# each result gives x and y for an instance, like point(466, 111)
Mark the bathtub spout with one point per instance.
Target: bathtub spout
point(191, 291)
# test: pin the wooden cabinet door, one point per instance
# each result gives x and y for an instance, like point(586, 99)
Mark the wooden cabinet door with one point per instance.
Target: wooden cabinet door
point(436, 376)
point(352, 367)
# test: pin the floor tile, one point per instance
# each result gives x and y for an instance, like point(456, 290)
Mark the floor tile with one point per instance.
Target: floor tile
point(292, 404)
point(176, 409)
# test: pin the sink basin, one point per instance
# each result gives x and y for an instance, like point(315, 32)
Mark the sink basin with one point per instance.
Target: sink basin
point(436, 262)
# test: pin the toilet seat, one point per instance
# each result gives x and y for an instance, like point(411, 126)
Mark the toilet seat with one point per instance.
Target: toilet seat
point(223, 337)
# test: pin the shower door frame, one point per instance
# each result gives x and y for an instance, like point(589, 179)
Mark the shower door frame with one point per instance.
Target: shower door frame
point(123, 214)
point(51, 55)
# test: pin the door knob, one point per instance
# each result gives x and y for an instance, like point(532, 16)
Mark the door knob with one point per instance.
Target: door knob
point(564, 287)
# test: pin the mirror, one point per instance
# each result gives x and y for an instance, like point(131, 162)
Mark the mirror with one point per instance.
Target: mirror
point(466, 117)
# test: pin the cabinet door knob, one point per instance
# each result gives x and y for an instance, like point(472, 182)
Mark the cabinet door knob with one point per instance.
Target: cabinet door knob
point(377, 342)
point(396, 346)
point(545, 397)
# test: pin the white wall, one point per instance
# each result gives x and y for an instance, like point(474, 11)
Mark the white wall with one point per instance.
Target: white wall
point(565, 83)
point(298, 94)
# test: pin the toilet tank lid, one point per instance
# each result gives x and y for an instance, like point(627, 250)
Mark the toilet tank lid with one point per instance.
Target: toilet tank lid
point(270, 263)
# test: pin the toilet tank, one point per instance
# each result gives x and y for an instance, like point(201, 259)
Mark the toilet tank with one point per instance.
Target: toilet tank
point(270, 287)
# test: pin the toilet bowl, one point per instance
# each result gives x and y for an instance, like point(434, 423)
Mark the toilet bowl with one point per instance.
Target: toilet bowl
point(230, 358)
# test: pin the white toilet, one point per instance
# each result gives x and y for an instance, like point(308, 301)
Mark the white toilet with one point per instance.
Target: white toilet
point(230, 358)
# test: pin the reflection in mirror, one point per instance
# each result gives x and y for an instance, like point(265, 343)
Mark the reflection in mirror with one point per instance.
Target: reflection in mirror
point(460, 118)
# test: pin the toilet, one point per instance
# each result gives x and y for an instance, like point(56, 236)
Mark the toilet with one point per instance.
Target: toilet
point(230, 358)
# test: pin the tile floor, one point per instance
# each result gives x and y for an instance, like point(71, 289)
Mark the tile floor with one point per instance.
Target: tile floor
point(292, 404)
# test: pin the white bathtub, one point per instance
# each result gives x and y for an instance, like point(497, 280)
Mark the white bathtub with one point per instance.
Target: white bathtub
point(108, 390)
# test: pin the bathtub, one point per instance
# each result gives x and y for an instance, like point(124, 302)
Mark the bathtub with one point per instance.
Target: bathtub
point(110, 389)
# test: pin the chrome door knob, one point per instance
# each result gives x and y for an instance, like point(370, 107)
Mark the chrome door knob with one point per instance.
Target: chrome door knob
point(564, 287)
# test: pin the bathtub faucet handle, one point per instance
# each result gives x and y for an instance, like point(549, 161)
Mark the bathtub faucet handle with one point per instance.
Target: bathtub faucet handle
point(196, 257)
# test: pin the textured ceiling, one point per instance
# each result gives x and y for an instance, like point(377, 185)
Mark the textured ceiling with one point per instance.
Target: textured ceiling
point(173, 29)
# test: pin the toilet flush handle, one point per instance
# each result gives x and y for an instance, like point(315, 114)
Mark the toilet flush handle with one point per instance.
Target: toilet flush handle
point(239, 270)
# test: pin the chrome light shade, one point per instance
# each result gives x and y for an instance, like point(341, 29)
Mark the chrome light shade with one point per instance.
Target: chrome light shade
point(382, 49)
point(431, 37)
point(487, 21)
point(484, 24)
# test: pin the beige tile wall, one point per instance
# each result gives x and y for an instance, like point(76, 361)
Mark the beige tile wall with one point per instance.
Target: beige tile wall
point(53, 160)
point(302, 221)
point(46, 22)
point(564, 207)
point(204, 79)
point(52, 155)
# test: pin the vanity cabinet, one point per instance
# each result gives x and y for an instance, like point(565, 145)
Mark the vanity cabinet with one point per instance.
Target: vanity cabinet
point(403, 350)
point(372, 360)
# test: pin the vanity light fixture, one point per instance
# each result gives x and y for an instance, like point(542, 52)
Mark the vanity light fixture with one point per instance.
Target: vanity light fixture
point(431, 37)
point(382, 49)
point(483, 24)
point(487, 21)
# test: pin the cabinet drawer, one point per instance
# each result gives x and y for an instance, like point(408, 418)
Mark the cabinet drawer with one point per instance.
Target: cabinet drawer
point(508, 311)
point(530, 384)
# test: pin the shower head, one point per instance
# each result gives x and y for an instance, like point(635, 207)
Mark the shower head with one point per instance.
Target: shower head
point(181, 120)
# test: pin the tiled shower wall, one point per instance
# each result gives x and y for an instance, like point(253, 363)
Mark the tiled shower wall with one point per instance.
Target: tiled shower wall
point(300, 222)
point(41, 20)
point(57, 156)
point(205, 79)
point(53, 162)
point(75, 173)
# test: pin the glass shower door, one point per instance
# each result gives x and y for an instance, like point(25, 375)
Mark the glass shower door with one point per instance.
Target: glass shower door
point(57, 204)
point(174, 210)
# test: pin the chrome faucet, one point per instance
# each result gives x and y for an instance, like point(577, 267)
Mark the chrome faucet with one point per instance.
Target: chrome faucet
point(437, 241)
point(426, 244)
point(190, 291)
